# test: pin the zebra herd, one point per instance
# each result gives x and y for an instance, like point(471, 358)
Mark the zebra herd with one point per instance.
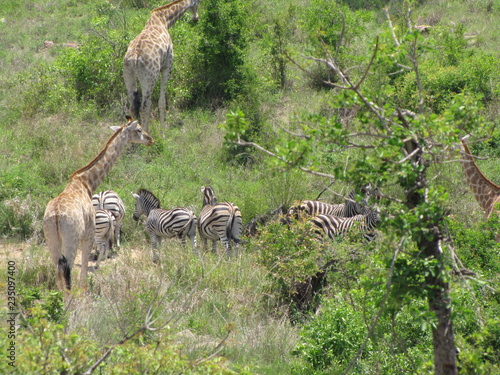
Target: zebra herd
point(220, 221)
point(335, 220)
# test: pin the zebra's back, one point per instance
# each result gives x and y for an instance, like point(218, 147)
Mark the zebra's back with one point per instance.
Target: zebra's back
point(170, 223)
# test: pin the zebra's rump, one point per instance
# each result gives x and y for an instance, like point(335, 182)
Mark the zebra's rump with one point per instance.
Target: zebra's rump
point(104, 225)
point(109, 200)
point(220, 220)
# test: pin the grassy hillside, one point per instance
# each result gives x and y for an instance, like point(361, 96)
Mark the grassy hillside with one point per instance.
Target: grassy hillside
point(62, 88)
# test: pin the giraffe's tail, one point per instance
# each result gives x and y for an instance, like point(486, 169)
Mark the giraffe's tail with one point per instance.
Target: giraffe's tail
point(64, 271)
point(136, 104)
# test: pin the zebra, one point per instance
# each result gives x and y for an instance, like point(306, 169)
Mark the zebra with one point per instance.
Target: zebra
point(348, 209)
point(334, 226)
point(104, 233)
point(177, 222)
point(109, 200)
point(219, 221)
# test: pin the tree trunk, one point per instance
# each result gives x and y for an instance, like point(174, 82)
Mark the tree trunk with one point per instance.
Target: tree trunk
point(445, 356)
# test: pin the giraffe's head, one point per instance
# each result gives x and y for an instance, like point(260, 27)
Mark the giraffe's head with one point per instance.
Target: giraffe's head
point(194, 9)
point(134, 133)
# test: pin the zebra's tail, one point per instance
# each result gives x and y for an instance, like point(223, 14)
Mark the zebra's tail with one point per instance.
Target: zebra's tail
point(64, 271)
point(233, 230)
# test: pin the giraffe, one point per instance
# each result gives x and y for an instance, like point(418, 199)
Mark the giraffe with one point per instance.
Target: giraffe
point(486, 192)
point(151, 54)
point(69, 218)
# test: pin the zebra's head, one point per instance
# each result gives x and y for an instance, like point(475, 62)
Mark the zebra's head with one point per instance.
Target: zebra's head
point(208, 196)
point(297, 210)
point(145, 201)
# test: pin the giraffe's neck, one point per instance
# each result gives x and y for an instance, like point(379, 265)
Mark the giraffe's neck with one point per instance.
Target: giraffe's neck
point(93, 173)
point(485, 191)
point(168, 14)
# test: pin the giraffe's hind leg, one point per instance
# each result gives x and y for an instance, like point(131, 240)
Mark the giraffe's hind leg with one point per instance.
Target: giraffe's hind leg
point(162, 103)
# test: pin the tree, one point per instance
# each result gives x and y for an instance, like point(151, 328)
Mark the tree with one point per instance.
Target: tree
point(396, 149)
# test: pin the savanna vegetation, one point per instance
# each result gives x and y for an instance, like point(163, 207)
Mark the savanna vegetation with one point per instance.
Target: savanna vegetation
point(269, 103)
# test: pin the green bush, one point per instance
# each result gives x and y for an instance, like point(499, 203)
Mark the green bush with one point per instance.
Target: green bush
point(332, 28)
point(476, 246)
point(220, 72)
point(95, 70)
point(46, 347)
point(292, 255)
point(333, 338)
point(46, 93)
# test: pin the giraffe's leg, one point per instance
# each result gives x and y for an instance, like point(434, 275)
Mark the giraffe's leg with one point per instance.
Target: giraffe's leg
point(162, 103)
point(147, 80)
point(145, 111)
point(54, 244)
point(86, 250)
point(131, 85)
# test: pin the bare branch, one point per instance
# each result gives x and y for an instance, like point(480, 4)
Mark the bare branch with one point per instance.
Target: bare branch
point(328, 83)
point(267, 152)
point(391, 27)
point(369, 65)
point(216, 350)
point(293, 134)
point(325, 189)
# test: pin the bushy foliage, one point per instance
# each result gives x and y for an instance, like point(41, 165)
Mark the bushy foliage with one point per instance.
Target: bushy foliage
point(94, 69)
point(47, 347)
point(292, 255)
point(20, 217)
point(332, 27)
point(339, 337)
point(477, 245)
point(220, 73)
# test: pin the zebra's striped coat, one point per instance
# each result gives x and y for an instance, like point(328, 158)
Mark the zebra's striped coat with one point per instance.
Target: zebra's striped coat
point(109, 200)
point(218, 221)
point(313, 208)
point(104, 233)
point(178, 222)
point(334, 226)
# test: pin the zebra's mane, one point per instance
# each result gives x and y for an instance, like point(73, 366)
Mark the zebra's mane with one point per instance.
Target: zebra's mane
point(150, 197)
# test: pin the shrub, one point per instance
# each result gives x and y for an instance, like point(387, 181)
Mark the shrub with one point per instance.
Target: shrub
point(476, 246)
point(95, 70)
point(220, 72)
point(293, 257)
point(20, 217)
point(333, 337)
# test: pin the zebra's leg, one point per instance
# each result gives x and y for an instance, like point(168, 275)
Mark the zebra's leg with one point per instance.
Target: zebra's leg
point(183, 239)
point(155, 242)
point(101, 254)
point(193, 243)
point(227, 247)
point(214, 246)
point(204, 244)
